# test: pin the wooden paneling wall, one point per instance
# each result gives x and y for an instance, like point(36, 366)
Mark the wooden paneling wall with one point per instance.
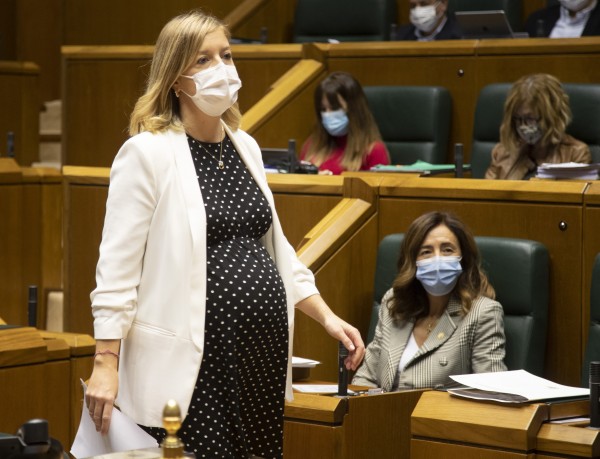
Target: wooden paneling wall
point(21, 103)
point(30, 238)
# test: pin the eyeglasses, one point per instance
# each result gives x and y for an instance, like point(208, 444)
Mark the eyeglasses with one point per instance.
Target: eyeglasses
point(527, 120)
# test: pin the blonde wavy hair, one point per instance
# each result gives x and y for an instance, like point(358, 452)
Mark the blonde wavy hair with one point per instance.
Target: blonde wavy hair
point(362, 128)
point(175, 50)
point(545, 96)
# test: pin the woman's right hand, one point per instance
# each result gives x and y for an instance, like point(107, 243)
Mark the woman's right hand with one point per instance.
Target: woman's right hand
point(102, 391)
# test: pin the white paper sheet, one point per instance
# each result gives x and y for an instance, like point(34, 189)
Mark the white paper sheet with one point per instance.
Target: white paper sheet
point(123, 435)
point(519, 382)
point(300, 362)
point(319, 388)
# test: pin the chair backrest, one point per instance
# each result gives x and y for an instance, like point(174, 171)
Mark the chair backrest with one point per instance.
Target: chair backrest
point(592, 349)
point(486, 127)
point(585, 104)
point(584, 100)
point(512, 8)
point(414, 121)
point(343, 20)
point(519, 271)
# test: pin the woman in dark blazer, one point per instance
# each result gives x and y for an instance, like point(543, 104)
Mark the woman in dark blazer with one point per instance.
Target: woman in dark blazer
point(439, 318)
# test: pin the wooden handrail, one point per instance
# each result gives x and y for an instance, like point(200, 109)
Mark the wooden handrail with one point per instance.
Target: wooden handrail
point(241, 13)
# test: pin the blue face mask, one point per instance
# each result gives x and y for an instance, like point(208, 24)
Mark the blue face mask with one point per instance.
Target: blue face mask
point(439, 275)
point(335, 122)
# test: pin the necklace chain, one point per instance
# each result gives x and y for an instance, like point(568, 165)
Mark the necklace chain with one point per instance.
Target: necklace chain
point(219, 161)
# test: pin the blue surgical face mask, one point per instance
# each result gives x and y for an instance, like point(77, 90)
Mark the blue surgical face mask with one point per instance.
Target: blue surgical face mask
point(335, 122)
point(439, 275)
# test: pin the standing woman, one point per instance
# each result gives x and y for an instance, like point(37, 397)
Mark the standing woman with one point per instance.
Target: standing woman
point(345, 137)
point(196, 283)
point(533, 130)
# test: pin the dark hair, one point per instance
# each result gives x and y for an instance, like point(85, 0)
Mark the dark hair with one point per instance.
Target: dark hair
point(410, 300)
point(362, 128)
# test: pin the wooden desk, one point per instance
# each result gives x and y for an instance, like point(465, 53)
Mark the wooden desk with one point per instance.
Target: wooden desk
point(358, 427)
point(39, 378)
point(30, 237)
point(446, 426)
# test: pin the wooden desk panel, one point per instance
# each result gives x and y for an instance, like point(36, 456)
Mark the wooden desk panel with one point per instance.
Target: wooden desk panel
point(21, 102)
point(521, 210)
point(12, 299)
point(591, 248)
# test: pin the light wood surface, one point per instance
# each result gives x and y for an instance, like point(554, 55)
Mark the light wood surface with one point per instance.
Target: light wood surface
point(39, 376)
point(447, 426)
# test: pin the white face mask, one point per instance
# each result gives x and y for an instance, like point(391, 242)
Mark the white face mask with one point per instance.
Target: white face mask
point(424, 18)
point(216, 89)
point(573, 5)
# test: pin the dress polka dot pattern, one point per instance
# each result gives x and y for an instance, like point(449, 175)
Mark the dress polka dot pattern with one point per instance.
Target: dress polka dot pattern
point(237, 406)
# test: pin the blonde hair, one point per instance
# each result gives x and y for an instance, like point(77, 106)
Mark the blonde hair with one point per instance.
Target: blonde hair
point(176, 49)
point(362, 128)
point(544, 95)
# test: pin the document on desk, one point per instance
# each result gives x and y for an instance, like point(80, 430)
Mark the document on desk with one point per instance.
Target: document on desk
point(516, 386)
point(124, 435)
point(319, 389)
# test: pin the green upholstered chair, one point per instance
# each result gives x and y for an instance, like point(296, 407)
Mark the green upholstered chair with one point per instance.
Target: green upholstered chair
point(592, 350)
point(518, 270)
point(343, 20)
point(512, 8)
point(585, 104)
point(486, 126)
point(584, 100)
point(414, 121)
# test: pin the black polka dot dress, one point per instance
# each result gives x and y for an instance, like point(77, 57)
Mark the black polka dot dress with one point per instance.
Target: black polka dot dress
point(237, 406)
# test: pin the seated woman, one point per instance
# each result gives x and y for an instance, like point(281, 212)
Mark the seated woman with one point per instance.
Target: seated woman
point(439, 318)
point(345, 137)
point(536, 116)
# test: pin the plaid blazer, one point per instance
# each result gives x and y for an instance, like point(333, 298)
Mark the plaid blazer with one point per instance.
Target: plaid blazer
point(459, 344)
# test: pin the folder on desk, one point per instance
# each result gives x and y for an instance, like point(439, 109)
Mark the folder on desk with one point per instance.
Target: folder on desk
point(516, 386)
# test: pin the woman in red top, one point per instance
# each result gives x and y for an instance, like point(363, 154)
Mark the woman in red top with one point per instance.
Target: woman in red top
point(346, 137)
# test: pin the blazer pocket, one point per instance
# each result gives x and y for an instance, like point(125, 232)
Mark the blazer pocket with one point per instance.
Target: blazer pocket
point(152, 328)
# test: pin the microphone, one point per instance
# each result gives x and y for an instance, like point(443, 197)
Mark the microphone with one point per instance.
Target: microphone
point(458, 160)
point(595, 395)
point(32, 306)
point(342, 371)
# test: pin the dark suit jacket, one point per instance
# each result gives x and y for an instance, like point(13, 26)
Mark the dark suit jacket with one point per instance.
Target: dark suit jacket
point(450, 31)
point(551, 14)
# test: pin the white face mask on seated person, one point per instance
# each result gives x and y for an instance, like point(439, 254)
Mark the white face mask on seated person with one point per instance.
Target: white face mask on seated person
point(574, 5)
point(216, 89)
point(425, 18)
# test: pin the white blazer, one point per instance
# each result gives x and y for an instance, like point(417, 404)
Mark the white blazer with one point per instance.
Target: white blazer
point(151, 274)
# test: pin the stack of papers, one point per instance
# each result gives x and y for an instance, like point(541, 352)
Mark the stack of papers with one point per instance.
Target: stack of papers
point(568, 171)
point(517, 386)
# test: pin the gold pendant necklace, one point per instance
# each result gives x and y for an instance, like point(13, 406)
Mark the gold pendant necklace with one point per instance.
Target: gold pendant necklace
point(219, 161)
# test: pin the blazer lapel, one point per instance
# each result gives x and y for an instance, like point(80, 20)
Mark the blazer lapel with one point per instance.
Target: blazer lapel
point(398, 339)
point(189, 184)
